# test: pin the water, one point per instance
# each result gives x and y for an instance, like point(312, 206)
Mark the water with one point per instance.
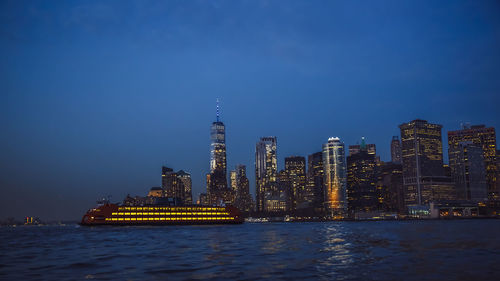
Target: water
point(391, 250)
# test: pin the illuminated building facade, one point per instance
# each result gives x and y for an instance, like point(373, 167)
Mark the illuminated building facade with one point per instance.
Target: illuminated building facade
point(395, 150)
point(481, 136)
point(370, 148)
point(156, 192)
point(334, 178)
point(217, 190)
point(469, 172)
point(390, 187)
point(295, 168)
point(422, 157)
point(285, 190)
point(186, 183)
point(315, 187)
point(266, 168)
point(176, 185)
point(362, 193)
point(243, 200)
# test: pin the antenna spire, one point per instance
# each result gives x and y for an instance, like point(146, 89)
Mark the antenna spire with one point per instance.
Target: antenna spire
point(218, 114)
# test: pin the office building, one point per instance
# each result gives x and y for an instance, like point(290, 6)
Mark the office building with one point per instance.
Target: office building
point(390, 187)
point(361, 182)
point(395, 150)
point(484, 137)
point(243, 200)
point(334, 178)
point(369, 148)
point(295, 168)
point(186, 187)
point(217, 190)
point(315, 187)
point(469, 172)
point(422, 158)
point(266, 169)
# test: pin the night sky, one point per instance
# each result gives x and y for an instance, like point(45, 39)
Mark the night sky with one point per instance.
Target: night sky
point(96, 96)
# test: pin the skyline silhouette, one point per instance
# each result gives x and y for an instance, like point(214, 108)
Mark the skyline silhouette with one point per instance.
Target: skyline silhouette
point(96, 97)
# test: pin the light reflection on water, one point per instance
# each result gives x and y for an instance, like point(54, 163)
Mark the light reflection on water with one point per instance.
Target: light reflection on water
point(410, 250)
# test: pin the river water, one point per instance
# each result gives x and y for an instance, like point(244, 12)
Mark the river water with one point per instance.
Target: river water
point(378, 250)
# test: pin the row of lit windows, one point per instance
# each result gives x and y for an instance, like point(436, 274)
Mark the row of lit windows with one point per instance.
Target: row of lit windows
point(168, 214)
point(170, 219)
point(170, 209)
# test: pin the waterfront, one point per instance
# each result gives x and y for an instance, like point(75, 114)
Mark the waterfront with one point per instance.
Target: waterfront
point(379, 250)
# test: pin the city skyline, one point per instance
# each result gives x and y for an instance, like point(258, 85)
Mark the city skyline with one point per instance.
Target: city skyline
point(98, 97)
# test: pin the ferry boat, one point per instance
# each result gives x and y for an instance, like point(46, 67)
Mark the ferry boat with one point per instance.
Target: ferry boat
point(114, 214)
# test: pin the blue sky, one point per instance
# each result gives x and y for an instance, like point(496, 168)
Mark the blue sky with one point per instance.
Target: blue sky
point(97, 95)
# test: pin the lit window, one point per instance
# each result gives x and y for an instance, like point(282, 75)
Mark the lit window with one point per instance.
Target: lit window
point(133, 214)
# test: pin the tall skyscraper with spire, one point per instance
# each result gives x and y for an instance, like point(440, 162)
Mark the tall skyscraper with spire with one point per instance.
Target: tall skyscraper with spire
point(217, 179)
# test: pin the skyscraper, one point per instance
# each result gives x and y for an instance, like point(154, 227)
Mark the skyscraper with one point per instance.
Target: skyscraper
point(243, 200)
point(334, 178)
point(315, 189)
point(469, 172)
point(361, 182)
point(370, 148)
point(266, 168)
point(176, 185)
point(395, 150)
point(295, 167)
point(481, 136)
point(169, 183)
point(390, 187)
point(422, 157)
point(217, 185)
point(185, 180)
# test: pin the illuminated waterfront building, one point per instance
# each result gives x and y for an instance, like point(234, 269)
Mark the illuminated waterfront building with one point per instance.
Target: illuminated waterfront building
point(361, 182)
point(266, 169)
point(422, 158)
point(334, 178)
point(395, 150)
point(481, 136)
point(315, 187)
point(295, 168)
point(469, 172)
point(217, 190)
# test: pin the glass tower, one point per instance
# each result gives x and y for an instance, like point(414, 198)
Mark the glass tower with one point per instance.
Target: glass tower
point(335, 178)
point(266, 169)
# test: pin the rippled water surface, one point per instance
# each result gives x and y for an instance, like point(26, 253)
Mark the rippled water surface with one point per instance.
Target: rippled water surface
point(410, 250)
